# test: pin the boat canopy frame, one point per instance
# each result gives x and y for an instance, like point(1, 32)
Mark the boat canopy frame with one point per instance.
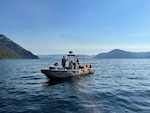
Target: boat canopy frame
point(75, 57)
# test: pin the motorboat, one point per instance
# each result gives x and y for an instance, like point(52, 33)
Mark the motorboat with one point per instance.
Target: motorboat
point(79, 68)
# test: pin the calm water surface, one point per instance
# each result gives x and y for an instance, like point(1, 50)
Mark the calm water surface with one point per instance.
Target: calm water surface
point(117, 86)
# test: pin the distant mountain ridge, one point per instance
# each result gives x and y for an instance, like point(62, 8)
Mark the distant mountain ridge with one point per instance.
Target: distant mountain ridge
point(117, 53)
point(11, 50)
point(59, 56)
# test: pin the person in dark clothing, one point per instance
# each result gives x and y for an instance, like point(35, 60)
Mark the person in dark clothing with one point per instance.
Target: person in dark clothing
point(64, 62)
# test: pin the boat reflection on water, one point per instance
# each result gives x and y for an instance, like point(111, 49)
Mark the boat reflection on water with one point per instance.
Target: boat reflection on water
point(58, 81)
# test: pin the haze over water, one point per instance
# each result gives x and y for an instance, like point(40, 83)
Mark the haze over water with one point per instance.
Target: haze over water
point(117, 86)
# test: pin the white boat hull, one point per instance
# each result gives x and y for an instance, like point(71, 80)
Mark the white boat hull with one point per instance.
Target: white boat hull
point(62, 74)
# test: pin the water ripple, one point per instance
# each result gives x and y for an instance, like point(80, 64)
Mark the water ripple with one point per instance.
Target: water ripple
point(117, 86)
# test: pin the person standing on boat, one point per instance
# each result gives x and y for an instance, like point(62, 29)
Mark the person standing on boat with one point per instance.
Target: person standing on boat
point(77, 64)
point(64, 62)
point(71, 66)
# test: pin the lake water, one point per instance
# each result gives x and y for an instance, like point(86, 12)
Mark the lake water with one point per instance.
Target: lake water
point(117, 86)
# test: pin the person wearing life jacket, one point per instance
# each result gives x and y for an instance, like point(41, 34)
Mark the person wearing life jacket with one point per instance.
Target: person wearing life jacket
point(87, 66)
point(63, 62)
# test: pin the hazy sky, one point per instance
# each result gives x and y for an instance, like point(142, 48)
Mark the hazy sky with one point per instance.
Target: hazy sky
point(83, 26)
